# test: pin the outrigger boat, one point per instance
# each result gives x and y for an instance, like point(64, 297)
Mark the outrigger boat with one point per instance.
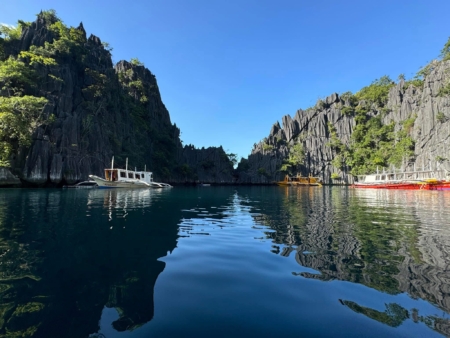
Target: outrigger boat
point(124, 178)
point(405, 180)
point(299, 180)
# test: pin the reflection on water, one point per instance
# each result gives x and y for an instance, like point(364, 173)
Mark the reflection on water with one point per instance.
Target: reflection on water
point(224, 262)
point(392, 241)
point(60, 268)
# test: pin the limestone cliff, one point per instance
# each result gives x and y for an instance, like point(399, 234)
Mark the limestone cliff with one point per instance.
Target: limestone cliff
point(95, 111)
point(425, 104)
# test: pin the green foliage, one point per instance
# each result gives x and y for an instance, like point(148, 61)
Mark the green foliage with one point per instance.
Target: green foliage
point(335, 176)
point(377, 92)
point(98, 84)
point(263, 172)
point(349, 98)
point(445, 90)
point(374, 144)
point(441, 159)
point(418, 83)
point(233, 158)
point(37, 55)
point(185, 170)
point(243, 165)
point(440, 117)
point(401, 77)
point(15, 75)
point(107, 46)
point(136, 62)
point(19, 117)
point(296, 158)
point(267, 147)
point(335, 143)
point(49, 16)
point(11, 32)
point(348, 111)
point(321, 104)
point(445, 52)
point(207, 164)
point(408, 124)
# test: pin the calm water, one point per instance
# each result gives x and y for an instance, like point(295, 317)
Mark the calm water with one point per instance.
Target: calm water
point(224, 261)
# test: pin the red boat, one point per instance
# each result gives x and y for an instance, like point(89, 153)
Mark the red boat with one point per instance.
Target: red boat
point(441, 185)
point(392, 181)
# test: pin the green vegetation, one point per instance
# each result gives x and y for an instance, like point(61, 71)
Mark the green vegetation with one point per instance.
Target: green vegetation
point(295, 159)
point(377, 92)
point(440, 117)
point(263, 172)
point(20, 114)
point(335, 176)
point(136, 62)
point(11, 32)
point(372, 145)
point(267, 147)
point(445, 52)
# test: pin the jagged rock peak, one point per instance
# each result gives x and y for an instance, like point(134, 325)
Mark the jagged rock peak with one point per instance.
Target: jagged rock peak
point(275, 128)
point(94, 39)
point(333, 98)
point(81, 28)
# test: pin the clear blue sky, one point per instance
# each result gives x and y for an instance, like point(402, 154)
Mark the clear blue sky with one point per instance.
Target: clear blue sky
point(228, 69)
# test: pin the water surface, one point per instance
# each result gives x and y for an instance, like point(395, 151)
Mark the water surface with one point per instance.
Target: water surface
point(224, 261)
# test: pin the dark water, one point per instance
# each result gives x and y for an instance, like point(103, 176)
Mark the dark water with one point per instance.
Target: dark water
point(224, 261)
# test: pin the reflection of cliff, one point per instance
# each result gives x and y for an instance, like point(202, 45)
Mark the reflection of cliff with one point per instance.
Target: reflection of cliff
point(60, 268)
point(392, 241)
point(394, 315)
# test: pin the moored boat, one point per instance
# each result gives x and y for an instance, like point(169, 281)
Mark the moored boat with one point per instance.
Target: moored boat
point(299, 180)
point(124, 178)
point(405, 180)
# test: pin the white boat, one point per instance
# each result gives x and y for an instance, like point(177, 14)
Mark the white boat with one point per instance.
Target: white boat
point(124, 178)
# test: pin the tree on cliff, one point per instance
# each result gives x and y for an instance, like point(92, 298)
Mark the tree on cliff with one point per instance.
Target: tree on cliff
point(20, 114)
point(296, 157)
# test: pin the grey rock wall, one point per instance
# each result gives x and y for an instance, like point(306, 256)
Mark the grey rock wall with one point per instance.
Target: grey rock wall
point(99, 112)
point(430, 133)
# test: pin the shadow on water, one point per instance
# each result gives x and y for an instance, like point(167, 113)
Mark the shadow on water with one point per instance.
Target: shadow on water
point(65, 255)
point(392, 241)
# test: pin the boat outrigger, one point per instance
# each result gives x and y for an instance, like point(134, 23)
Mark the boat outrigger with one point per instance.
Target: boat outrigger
point(124, 178)
point(299, 180)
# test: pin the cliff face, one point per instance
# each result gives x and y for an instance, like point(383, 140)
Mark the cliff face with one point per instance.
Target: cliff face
point(98, 111)
point(319, 127)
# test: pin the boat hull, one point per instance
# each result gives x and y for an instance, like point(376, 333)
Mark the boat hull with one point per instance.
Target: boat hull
point(441, 186)
point(402, 186)
point(102, 183)
point(297, 184)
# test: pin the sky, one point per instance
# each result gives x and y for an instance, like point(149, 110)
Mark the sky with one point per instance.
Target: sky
point(228, 70)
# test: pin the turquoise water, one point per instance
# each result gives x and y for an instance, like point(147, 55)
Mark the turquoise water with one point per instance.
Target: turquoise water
point(223, 262)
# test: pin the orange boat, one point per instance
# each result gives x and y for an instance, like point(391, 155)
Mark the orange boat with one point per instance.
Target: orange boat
point(299, 180)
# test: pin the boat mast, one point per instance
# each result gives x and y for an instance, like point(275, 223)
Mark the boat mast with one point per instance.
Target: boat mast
point(112, 163)
point(126, 167)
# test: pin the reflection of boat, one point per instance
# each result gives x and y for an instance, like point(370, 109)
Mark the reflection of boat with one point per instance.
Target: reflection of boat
point(299, 180)
point(83, 185)
point(124, 178)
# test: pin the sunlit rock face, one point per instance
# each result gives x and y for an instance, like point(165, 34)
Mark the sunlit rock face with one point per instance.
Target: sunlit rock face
point(431, 130)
